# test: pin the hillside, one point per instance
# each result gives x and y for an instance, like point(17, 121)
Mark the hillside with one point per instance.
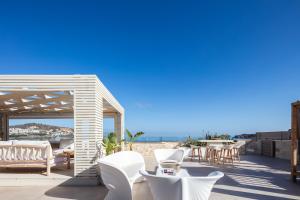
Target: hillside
point(38, 126)
point(39, 131)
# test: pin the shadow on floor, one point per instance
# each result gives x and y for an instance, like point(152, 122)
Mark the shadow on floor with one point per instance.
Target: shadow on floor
point(255, 177)
point(78, 193)
point(78, 188)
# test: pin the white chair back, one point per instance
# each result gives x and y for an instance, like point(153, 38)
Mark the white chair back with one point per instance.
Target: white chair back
point(116, 181)
point(129, 161)
point(119, 171)
point(181, 188)
point(199, 188)
point(164, 187)
point(187, 151)
point(168, 154)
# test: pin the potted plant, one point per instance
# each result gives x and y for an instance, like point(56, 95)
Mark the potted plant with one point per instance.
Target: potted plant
point(110, 143)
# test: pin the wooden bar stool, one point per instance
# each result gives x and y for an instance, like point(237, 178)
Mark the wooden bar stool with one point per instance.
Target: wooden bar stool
point(214, 153)
point(236, 150)
point(198, 148)
point(227, 154)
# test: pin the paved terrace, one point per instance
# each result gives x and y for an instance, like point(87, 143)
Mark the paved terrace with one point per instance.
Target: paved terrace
point(255, 177)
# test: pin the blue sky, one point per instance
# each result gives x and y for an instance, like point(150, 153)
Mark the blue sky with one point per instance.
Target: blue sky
point(178, 67)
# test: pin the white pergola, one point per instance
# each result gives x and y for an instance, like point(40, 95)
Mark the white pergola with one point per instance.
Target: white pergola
point(81, 97)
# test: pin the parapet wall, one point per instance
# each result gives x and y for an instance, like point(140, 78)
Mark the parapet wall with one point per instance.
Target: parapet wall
point(272, 148)
point(283, 149)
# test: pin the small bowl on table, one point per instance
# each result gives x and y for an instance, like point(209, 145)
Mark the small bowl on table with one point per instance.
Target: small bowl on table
point(170, 164)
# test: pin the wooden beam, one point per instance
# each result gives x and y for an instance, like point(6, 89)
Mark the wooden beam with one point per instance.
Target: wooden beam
point(297, 103)
point(16, 94)
point(47, 115)
point(26, 94)
point(4, 126)
point(38, 101)
point(294, 141)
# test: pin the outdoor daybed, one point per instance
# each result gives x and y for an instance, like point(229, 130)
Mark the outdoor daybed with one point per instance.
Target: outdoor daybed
point(31, 154)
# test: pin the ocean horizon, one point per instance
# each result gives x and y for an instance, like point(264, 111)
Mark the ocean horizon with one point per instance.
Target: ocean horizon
point(161, 138)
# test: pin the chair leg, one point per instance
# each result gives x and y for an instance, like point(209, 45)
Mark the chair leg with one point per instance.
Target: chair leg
point(232, 158)
point(221, 155)
point(215, 156)
point(199, 154)
point(226, 155)
point(238, 155)
point(48, 167)
point(209, 156)
point(207, 153)
point(68, 161)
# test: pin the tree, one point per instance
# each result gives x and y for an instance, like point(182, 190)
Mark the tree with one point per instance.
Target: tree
point(132, 138)
point(110, 143)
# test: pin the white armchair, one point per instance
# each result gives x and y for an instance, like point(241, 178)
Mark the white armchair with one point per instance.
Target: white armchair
point(181, 188)
point(164, 187)
point(168, 154)
point(119, 171)
point(199, 188)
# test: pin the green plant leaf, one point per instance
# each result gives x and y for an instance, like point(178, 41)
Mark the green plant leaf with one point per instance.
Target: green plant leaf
point(129, 134)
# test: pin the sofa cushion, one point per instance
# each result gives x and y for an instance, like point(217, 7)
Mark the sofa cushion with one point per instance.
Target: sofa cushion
point(29, 142)
point(6, 142)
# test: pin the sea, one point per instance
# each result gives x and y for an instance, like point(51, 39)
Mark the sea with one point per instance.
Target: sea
point(160, 139)
point(140, 139)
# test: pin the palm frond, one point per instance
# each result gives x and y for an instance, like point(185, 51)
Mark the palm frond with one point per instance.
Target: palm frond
point(138, 134)
point(129, 134)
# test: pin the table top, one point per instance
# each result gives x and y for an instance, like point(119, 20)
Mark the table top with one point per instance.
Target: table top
point(69, 151)
point(179, 173)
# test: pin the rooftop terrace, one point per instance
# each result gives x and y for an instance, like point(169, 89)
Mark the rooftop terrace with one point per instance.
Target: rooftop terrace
point(255, 177)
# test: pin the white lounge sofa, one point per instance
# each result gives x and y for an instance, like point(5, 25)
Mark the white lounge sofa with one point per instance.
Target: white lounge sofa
point(119, 171)
point(168, 154)
point(38, 154)
point(166, 187)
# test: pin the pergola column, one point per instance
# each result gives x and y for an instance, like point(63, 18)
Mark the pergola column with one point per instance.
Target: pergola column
point(119, 126)
point(294, 141)
point(4, 132)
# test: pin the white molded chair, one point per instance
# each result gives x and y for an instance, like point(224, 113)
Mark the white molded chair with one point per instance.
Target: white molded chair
point(199, 188)
point(181, 188)
point(119, 171)
point(168, 154)
point(164, 187)
point(187, 151)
